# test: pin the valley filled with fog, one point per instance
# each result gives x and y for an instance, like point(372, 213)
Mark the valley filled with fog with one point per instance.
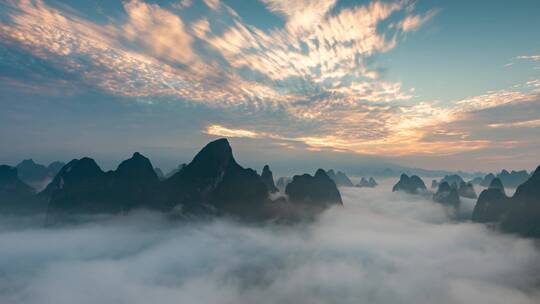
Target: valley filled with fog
point(380, 247)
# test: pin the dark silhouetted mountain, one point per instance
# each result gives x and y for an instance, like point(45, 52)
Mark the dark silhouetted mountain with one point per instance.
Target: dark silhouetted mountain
point(159, 173)
point(282, 182)
point(523, 216)
point(487, 180)
point(466, 190)
point(81, 187)
point(446, 195)
point(509, 179)
point(452, 179)
point(492, 204)
point(434, 184)
point(36, 175)
point(16, 197)
point(340, 178)
point(214, 182)
point(514, 178)
point(268, 179)
point(29, 171)
point(318, 191)
point(496, 183)
point(412, 185)
point(365, 183)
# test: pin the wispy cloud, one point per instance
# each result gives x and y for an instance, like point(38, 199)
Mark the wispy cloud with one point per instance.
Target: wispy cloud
point(153, 51)
point(517, 124)
point(218, 130)
point(529, 57)
point(316, 71)
point(413, 22)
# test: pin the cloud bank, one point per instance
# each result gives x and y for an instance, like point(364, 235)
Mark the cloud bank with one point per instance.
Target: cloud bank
point(382, 247)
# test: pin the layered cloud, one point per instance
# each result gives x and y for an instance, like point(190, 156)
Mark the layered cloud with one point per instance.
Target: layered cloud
point(380, 247)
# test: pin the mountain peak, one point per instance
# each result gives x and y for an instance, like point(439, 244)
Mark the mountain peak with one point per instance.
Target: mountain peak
point(29, 161)
point(212, 159)
point(321, 173)
point(496, 184)
point(138, 166)
point(268, 179)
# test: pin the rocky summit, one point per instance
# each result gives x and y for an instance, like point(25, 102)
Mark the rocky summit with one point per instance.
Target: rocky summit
point(317, 190)
point(412, 185)
point(447, 195)
point(268, 179)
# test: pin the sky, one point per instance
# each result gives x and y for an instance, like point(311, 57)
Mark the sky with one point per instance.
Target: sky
point(434, 84)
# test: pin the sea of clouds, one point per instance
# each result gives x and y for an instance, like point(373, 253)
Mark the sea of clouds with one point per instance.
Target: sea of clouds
point(381, 247)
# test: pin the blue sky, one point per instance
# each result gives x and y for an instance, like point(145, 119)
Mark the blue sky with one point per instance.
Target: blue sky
point(433, 84)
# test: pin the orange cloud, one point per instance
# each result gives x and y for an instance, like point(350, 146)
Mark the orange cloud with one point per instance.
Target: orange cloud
point(219, 130)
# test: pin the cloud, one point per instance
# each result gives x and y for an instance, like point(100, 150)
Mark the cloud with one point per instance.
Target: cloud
point(159, 31)
point(183, 4)
point(414, 22)
point(301, 14)
point(381, 247)
point(313, 81)
point(155, 52)
point(222, 131)
point(421, 129)
point(213, 4)
point(517, 124)
point(529, 57)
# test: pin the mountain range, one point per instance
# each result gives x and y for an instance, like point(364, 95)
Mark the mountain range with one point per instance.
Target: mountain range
point(213, 183)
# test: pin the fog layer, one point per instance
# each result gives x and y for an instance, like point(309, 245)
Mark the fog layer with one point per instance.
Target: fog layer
point(382, 247)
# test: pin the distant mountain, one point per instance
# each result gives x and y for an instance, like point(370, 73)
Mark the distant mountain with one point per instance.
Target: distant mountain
point(447, 195)
point(392, 170)
point(16, 197)
point(340, 178)
point(452, 179)
point(466, 190)
point(318, 190)
point(509, 179)
point(268, 179)
point(412, 185)
point(514, 178)
point(37, 175)
point(367, 183)
point(484, 181)
point(517, 214)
